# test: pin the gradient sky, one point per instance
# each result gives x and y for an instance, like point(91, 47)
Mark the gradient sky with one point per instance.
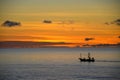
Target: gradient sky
point(73, 20)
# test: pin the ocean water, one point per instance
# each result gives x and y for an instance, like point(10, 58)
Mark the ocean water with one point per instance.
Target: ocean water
point(59, 64)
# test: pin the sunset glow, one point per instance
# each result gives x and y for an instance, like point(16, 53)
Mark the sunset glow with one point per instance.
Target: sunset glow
point(72, 21)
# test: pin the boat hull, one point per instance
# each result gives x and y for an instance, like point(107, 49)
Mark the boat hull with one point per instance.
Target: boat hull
point(86, 60)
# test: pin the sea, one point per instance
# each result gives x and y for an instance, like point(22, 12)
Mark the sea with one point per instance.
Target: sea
point(59, 64)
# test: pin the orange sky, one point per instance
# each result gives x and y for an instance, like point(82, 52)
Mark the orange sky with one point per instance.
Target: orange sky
point(72, 21)
point(56, 32)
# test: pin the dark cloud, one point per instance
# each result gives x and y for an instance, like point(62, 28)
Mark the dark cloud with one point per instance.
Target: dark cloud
point(118, 36)
point(11, 23)
point(88, 39)
point(116, 22)
point(47, 21)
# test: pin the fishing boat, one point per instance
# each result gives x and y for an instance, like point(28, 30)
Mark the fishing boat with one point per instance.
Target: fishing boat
point(89, 59)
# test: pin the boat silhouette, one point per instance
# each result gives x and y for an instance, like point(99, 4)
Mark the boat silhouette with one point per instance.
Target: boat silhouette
point(89, 59)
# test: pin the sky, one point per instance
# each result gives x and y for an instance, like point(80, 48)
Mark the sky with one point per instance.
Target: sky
point(72, 21)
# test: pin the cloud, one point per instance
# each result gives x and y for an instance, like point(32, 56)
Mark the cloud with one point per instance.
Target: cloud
point(11, 24)
point(47, 21)
point(88, 39)
point(30, 44)
point(118, 36)
point(107, 23)
point(116, 22)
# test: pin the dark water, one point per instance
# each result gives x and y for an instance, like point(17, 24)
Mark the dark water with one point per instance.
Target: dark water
point(59, 64)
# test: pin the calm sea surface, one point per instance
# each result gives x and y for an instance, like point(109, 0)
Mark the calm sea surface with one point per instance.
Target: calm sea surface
point(59, 64)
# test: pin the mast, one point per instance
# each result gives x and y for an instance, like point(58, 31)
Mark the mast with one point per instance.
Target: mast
point(89, 55)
